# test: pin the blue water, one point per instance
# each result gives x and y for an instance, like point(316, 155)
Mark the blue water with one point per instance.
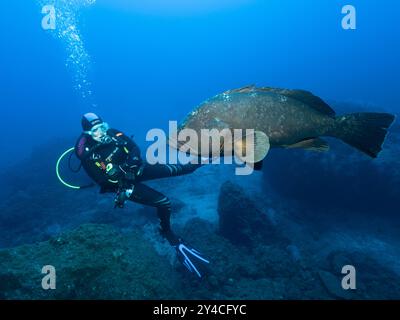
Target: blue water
point(150, 63)
point(140, 64)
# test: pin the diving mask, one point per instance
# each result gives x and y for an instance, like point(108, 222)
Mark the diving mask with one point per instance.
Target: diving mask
point(99, 132)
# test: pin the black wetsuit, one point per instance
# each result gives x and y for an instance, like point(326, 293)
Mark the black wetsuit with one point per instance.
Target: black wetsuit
point(117, 165)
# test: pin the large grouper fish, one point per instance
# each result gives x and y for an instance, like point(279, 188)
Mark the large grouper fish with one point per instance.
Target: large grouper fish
point(288, 118)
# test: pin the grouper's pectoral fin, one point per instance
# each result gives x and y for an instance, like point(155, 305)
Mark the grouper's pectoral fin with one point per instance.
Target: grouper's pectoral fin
point(315, 144)
point(252, 150)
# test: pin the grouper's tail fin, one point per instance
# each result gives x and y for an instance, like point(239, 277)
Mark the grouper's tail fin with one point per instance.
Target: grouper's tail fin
point(364, 131)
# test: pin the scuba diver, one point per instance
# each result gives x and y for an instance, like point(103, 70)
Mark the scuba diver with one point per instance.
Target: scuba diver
point(113, 161)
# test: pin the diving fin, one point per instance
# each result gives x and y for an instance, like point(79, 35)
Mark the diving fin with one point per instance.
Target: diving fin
point(188, 256)
point(252, 149)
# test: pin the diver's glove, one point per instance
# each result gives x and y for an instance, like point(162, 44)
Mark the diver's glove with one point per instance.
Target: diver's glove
point(121, 197)
point(189, 257)
point(114, 172)
point(132, 170)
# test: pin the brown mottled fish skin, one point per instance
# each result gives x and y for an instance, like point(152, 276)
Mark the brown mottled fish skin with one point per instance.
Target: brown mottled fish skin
point(284, 120)
point(288, 117)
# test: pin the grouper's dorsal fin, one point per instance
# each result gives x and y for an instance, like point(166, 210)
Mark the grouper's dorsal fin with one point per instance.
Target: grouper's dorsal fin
point(245, 89)
point(304, 96)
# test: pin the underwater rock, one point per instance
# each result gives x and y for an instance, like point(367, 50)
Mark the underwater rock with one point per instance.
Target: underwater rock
point(256, 289)
point(276, 262)
point(91, 262)
point(228, 263)
point(337, 260)
point(8, 282)
point(267, 272)
point(294, 252)
point(241, 221)
point(374, 279)
point(332, 284)
point(177, 204)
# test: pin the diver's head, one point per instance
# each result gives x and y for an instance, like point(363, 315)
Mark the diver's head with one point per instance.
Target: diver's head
point(94, 126)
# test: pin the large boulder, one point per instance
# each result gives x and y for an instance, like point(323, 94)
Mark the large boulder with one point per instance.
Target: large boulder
point(92, 262)
point(241, 221)
point(233, 269)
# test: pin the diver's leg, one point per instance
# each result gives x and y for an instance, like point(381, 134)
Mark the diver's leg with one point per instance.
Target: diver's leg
point(158, 171)
point(188, 256)
point(145, 195)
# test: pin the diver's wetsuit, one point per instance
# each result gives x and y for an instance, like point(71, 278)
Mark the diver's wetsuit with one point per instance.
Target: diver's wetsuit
point(116, 165)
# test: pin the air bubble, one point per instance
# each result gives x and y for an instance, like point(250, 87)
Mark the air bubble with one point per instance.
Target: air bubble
point(78, 60)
